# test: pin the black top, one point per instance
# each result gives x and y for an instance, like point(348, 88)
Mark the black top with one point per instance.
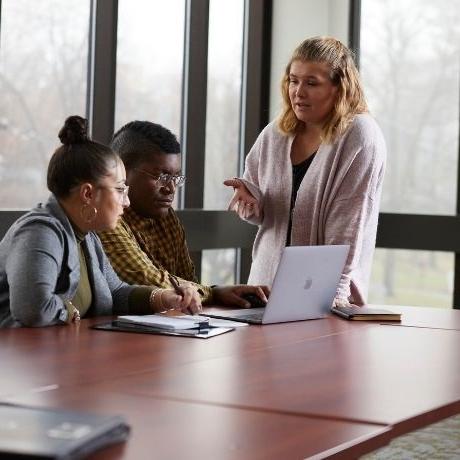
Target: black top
point(298, 173)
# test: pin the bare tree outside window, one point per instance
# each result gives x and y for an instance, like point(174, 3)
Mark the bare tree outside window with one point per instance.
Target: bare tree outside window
point(150, 47)
point(43, 68)
point(410, 62)
point(223, 99)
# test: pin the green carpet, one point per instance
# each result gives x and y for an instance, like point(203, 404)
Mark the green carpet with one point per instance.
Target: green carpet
point(438, 441)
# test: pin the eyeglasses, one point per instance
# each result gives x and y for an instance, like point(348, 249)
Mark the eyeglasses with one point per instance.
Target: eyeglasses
point(122, 191)
point(164, 178)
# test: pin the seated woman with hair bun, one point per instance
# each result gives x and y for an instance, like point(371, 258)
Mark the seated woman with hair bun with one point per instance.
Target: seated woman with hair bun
point(53, 269)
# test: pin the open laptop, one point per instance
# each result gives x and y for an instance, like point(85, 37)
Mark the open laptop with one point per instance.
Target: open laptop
point(304, 287)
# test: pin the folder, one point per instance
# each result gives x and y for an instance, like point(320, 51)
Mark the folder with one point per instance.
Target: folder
point(171, 323)
point(197, 332)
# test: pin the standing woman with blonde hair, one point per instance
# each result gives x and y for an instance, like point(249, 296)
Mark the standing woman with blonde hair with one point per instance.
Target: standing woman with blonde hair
point(314, 177)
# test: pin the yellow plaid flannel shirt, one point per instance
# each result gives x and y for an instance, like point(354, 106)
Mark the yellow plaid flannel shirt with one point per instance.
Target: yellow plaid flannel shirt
point(144, 251)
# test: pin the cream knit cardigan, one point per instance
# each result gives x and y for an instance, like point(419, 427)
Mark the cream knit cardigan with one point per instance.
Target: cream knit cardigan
point(337, 202)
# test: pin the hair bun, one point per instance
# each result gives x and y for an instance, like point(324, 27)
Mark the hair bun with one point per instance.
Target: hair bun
point(74, 131)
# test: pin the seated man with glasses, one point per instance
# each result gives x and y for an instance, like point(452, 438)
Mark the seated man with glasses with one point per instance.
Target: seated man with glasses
point(148, 246)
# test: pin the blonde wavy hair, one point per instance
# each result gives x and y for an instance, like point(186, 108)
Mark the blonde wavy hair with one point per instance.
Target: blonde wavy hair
point(344, 74)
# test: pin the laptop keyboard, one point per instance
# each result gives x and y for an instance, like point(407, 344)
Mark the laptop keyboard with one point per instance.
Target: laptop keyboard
point(253, 316)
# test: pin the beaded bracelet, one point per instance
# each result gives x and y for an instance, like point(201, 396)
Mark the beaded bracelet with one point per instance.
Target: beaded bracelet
point(162, 308)
point(152, 297)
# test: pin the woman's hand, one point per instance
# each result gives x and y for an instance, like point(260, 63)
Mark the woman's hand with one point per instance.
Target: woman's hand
point(242, 202)
point(232, 295)
point(188, 302)
point(340, 302)
point(73, 312)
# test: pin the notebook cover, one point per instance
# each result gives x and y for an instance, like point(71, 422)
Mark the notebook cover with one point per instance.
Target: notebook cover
point(366, 314)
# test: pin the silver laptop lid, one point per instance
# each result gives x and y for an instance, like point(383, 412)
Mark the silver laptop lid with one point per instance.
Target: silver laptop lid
point(305, 283)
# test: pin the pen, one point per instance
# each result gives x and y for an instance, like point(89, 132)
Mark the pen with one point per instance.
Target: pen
point(177, 288)
point(175, 284)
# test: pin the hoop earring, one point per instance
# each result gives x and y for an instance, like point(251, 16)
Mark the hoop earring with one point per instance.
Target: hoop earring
point(88, 213)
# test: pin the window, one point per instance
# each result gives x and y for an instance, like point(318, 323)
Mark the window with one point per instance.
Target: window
point(150, 50)
point(43, 74)
point(44, 54)
point(218, 266)
point(403, 277)
point(410, 69)
point(223, 99)
point(222, 122)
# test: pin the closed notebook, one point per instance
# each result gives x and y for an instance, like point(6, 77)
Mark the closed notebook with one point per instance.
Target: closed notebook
point(28, 432)
point(366, 314)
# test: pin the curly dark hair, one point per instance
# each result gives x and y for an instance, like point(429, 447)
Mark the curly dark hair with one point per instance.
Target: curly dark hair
point(137, 140)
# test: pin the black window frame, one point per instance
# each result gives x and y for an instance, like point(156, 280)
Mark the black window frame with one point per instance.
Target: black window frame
point(395, 231)
point(100, 110)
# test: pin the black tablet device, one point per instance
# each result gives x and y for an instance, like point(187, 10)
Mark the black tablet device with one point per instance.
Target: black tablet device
point(30, 432)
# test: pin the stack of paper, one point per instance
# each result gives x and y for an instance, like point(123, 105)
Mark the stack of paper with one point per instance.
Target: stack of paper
point(171, 323)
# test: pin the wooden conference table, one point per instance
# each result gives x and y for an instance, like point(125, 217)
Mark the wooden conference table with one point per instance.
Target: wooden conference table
point(321, 388)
